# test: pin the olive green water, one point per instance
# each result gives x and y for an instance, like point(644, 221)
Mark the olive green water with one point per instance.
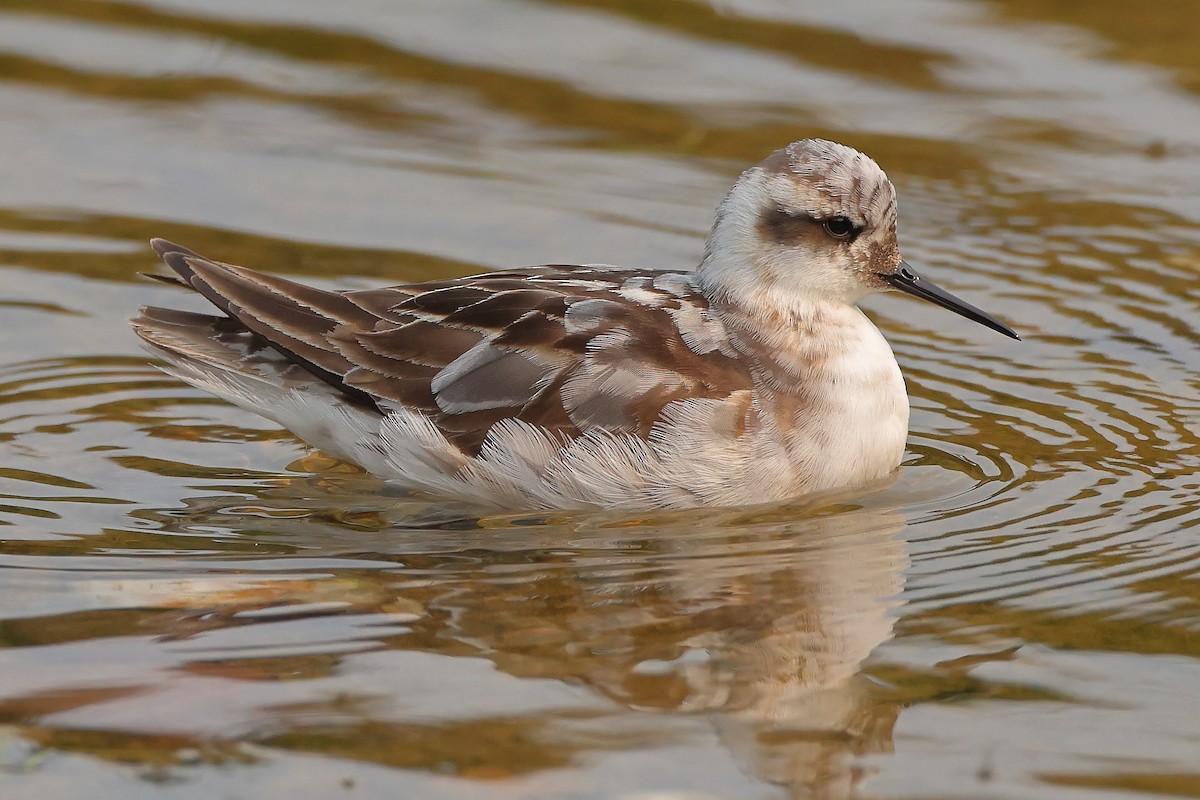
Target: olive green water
point(192, 606)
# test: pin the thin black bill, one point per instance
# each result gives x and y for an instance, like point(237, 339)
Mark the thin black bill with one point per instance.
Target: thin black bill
point(908, 280)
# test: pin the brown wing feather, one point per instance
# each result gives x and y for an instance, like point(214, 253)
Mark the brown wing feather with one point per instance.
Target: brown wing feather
point(558, 347)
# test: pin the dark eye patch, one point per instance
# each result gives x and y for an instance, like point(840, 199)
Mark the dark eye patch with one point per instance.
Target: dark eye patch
point(782, 227)
point(779, 226)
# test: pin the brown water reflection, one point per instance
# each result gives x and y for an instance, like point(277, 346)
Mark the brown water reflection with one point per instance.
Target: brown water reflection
point(192, 606)
point(317, 647)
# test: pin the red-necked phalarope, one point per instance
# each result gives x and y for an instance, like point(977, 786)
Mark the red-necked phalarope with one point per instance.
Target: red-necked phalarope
point(754, 378)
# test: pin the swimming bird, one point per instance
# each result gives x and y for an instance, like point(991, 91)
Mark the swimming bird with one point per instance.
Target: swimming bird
point(753, 378)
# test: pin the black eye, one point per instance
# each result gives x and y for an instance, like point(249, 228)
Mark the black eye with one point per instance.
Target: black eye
point(839, 227)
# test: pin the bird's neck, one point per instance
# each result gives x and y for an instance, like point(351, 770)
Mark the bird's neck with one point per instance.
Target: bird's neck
point(791, 336)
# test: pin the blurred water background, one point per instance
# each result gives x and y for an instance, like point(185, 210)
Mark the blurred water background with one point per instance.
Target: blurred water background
point(193, 606)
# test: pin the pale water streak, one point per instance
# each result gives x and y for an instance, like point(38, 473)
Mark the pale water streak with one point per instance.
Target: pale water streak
point(192, 606)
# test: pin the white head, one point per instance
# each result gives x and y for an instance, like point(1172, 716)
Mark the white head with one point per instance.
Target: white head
point(815, 219)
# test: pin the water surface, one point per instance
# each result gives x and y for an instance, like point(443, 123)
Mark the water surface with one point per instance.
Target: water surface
point(193, 605)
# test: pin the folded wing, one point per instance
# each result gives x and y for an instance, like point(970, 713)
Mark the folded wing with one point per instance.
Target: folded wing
point(564, 348)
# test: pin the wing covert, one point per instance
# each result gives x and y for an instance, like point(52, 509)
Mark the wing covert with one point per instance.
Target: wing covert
point(563, 348)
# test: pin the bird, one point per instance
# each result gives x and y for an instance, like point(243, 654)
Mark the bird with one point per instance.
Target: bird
point(753, 378)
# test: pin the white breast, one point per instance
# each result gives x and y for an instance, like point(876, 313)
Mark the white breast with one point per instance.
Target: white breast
point(856, 423)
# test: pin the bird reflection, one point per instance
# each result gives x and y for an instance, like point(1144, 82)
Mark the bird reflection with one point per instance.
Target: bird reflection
point(756, 622)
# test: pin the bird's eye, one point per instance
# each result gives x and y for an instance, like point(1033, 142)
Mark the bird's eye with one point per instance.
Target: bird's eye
point(839, 227)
